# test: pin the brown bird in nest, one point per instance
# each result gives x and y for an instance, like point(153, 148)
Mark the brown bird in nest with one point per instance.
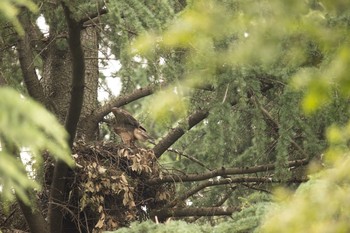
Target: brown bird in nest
point(128, 128)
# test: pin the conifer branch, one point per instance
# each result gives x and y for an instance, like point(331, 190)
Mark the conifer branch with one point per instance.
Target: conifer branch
point(99, 12)
point(178, 131)
point(92, 120)
point(229, 180)
point(224, 172)
point(162, 214)
point(219, 203)
point(277, 125)
point(125, 99)
point(193, 159)
point(195, 190)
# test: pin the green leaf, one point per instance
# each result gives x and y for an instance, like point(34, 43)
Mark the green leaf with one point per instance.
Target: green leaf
point(10, 9)
point(26, 124)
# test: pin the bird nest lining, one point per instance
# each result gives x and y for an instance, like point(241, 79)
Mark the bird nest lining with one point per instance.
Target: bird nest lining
point(109, 188)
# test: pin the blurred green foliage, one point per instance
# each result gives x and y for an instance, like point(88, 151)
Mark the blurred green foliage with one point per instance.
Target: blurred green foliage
point(24, 124)
point(171, 227)
point(246, 220)
point(301, 46)
point(9, 9)
point(293, 35)
point(320, 205)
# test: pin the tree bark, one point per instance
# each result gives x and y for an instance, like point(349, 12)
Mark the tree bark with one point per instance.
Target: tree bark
point(89, 39)
point(58, 187)
point(33, 216)
point(26, 60)
point(56, 79)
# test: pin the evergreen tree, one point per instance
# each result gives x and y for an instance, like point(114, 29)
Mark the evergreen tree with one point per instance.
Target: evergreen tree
point(217, 84)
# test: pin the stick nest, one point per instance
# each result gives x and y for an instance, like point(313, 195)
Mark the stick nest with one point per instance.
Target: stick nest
point(108, 187)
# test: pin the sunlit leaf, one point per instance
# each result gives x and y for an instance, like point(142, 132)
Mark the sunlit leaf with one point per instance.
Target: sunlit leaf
point(168, 104)
point(10, 9)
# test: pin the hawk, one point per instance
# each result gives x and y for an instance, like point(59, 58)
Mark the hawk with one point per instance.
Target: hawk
point(127, 127)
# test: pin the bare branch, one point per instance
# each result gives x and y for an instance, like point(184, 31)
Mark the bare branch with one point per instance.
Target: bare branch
point(223, 172)
point(177, 132)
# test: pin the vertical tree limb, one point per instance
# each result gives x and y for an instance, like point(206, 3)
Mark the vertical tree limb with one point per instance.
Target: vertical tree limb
point(26, 60)
point(33, 216)
point(58, 191)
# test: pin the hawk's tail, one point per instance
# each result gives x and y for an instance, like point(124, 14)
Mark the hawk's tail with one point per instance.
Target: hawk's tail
point(141, 134)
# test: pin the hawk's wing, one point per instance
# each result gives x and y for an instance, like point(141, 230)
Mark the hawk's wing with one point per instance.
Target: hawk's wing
point(123, 118)
point(127, 123)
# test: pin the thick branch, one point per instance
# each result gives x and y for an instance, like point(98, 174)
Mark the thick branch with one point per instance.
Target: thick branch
point(33, 216)
point(92, 120)
point(32, 213)
point(186, 212)
point(177, 132)
point(26, 60)
point(222, 172)
point(125, 99)
point(76, 102)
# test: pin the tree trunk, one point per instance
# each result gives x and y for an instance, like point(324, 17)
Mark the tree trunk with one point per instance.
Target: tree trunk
point(90, 46)
point(56, 79)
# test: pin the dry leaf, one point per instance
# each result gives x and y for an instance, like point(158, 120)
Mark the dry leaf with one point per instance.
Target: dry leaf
point(101, 221)
point(101, 169)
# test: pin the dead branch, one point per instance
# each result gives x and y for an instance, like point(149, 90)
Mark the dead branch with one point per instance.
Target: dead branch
point(223, 172)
